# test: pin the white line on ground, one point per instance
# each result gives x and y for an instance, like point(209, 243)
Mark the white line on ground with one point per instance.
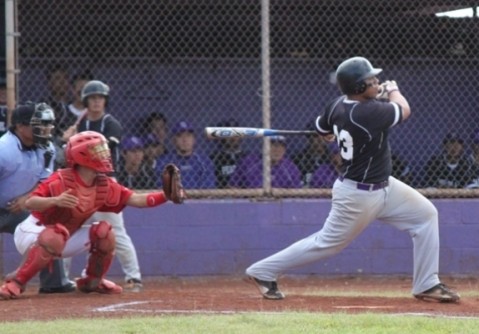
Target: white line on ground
point(124, 307)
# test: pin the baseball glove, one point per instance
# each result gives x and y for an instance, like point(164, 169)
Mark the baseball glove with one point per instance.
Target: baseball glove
point(172, 187)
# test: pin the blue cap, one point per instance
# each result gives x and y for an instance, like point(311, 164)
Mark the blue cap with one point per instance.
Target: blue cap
point(131, 143)
point(182, 126)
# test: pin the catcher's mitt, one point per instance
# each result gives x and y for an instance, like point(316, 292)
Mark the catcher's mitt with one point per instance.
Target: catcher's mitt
point(172, 187)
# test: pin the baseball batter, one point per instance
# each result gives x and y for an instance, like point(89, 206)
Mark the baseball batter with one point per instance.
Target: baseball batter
point(365, 191)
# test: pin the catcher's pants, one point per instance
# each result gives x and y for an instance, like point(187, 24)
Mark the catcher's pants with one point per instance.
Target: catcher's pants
point(352, 211)
point(26, 234)
point(124, 250)
point(50, 278)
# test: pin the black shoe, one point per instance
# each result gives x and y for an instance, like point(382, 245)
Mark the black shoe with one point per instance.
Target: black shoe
point(133, 285)
point(440, 293)
point(70, 287)
point(269, 289)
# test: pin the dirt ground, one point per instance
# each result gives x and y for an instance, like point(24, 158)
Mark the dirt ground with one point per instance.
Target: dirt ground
point(228, 295)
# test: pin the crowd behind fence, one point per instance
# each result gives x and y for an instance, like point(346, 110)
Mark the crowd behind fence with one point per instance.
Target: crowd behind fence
point(174, 68)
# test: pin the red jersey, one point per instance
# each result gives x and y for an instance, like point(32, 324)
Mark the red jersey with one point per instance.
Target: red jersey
point(104, 195)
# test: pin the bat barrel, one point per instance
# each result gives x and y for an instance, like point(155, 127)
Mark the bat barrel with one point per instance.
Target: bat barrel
point(232, 132)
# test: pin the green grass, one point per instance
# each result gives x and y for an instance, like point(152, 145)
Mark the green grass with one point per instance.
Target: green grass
point(252, 323)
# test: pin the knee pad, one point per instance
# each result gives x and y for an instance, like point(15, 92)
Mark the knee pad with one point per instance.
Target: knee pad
point(53, 239)
point(102, 238)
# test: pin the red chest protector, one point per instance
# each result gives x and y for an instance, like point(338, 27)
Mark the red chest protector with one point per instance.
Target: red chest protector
point(90, 199)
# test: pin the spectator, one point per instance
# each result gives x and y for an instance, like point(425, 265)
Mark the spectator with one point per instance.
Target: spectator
point(227, 156)
point(71, 114)
point(157, 125)
point(58, 90)
point(401, 170)
point(284, 173)
point(314, 155)
point(451, 169)
point(197, 170)
point(328, 172)
point(132, 172)
point(77, 107)
point(3, 106)
point(473, 159)
point(153, 149)
point(95, 95)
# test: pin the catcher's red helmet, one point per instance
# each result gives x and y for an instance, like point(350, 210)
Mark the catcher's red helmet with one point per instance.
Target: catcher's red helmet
point(89, 149)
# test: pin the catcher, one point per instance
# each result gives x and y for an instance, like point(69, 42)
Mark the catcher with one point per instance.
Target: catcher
point(63, 202)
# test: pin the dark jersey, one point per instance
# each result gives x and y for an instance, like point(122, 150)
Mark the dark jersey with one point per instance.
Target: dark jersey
point(361, 130)
point(108, 126)
point(225, 165)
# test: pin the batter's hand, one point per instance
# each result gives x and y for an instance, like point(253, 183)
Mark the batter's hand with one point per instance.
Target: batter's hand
point(66, 200)
point(386, 88)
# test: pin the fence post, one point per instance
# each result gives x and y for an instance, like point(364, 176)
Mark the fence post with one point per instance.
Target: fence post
point(266, 103)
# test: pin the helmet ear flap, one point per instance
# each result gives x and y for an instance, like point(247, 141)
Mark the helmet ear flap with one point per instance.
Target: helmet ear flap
point(361, 87)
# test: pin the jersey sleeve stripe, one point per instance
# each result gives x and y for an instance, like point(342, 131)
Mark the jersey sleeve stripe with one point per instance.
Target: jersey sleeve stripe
point(397, 113)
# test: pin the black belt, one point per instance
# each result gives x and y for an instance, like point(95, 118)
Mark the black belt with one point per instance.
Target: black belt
point(368, 186)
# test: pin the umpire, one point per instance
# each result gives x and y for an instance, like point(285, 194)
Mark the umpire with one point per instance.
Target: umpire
point(27, 158)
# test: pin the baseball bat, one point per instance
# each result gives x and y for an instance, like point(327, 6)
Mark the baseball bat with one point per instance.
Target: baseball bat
point(80, 117)
point(232, 132)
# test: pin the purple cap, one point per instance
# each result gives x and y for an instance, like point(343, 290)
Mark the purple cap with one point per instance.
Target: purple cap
point(182, 126)
point(475, 137)
point(131, 143)
point(151, 139)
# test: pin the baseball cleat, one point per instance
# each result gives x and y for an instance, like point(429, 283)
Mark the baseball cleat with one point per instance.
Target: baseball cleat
point(104, 286)
point(268, 289)
point(133, 285)
point(440, 293)
point(10, 290)
point(69, 287)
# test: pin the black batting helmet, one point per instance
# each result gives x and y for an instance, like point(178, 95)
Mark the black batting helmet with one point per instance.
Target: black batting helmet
point(351, 74)
point(94, 87)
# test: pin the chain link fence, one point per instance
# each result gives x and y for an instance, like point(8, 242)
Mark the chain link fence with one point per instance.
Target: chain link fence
point(176, 67)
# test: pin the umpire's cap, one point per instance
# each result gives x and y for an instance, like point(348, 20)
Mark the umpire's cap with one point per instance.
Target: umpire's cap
point(23, 113)
point(351, 74)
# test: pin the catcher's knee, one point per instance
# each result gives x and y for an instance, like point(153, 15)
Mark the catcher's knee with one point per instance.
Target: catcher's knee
point(102, 238)
point(53, 239)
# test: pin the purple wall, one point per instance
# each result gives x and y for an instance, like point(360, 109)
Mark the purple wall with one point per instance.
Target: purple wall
point(223, 237)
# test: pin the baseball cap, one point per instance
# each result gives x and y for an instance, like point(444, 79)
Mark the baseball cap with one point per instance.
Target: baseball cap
point(278, 139)
point(182, 126)
point(23, 113)
point(452, 138)
point(131, 143)
point(475, 137)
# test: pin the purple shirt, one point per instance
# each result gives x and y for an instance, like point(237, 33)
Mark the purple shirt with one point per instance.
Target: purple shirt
point(324, 176)
point(249, 174)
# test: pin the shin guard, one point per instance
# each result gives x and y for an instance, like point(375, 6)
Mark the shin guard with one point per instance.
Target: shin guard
point(102, 248)
point(50, 244)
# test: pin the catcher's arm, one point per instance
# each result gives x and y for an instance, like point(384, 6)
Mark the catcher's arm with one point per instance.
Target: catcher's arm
point(143, 200)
